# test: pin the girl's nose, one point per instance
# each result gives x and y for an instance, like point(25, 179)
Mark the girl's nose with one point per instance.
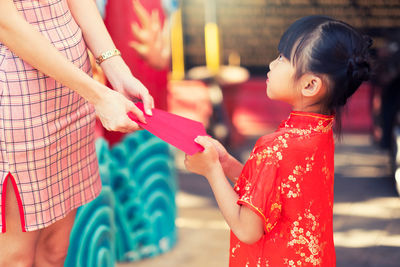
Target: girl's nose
point(271, 65)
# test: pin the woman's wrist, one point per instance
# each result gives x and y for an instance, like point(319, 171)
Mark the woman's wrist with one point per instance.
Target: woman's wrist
point(113, 69)
point(112, 64)
point(107, 54)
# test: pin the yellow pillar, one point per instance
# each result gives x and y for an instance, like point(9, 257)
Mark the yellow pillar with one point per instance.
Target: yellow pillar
point(178, 63)
point(211, 36)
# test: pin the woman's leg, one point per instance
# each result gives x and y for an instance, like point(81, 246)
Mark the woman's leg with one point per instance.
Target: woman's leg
point(53, 242)
point(17, 248)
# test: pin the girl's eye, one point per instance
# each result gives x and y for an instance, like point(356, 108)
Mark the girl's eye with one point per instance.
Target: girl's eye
point(280, 57)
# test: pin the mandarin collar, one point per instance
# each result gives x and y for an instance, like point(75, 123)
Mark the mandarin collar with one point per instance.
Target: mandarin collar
point(308, 120)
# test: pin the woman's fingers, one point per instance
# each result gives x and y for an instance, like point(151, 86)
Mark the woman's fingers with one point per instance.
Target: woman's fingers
point(147, 99)
point(132, 126)
point(148, 103)
point(137, 113)
point(113, 111)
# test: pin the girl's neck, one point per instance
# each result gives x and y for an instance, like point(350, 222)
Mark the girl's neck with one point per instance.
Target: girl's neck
point(316, 108)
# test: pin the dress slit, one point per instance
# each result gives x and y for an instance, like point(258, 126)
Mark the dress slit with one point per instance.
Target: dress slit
point(19, 202)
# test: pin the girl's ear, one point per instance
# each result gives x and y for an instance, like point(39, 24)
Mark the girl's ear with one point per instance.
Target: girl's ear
point(311, 85)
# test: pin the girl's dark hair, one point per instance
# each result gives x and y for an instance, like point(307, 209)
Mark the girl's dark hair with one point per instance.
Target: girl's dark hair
point(333, 49)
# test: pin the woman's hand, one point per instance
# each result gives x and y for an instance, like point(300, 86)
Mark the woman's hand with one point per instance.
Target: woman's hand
point(204, 163)
point(122, 80)
point(112, 111)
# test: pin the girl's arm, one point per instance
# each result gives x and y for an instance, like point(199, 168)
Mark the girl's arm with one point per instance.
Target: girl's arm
point(27, 43)
point(98, 39)
point(245, 224)
point(232, 167)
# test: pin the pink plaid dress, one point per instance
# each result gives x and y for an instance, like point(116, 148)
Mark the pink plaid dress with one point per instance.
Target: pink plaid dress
point(46, 129)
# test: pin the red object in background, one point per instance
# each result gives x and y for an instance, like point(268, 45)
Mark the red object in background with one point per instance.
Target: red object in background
point(357, 115)
point(190, 99)
point(120, 15)
point(256, 114)
point(173, 129)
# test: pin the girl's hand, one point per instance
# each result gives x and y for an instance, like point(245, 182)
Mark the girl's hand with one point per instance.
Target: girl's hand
point(223, 155)
point(112, 111)
point(204, 163)
point(231, 166)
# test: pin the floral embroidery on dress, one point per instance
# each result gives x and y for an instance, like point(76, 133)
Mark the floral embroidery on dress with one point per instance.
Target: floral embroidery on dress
point(291, 187)
point(273, 152)
point(303, 234)
point(234, 249)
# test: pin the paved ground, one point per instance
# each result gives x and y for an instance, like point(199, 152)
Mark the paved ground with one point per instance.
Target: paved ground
point(366, 214)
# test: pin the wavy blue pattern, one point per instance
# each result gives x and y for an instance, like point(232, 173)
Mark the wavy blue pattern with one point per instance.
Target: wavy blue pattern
point(135, 212)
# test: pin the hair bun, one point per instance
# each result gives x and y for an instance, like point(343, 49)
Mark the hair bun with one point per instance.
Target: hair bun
point(358, 65)
point(358, 69)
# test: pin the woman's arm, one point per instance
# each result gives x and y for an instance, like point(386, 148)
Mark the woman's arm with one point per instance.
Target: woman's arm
point(98, 39)
point(27, 43)
point(94, 31)
point(245, 224)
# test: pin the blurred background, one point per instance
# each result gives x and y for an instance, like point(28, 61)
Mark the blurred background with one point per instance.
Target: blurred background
point(207, 60)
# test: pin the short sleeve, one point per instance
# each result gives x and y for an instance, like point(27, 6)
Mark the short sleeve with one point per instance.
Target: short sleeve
point(258, 185)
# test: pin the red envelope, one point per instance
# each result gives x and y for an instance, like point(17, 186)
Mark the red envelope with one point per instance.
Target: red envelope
point(173, 129)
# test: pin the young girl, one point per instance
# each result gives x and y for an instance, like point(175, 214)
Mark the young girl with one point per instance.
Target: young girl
point(280, 209)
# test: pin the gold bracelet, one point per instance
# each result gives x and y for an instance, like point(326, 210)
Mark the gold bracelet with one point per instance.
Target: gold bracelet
point(107, 54)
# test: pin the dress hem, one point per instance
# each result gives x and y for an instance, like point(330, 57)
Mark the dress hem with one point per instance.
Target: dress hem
point(42, 226)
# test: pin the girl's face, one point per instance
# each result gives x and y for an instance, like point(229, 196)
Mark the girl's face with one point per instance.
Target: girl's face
point(280, 81)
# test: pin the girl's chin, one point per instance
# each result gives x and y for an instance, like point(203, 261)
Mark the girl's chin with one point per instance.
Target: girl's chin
point(268, 93)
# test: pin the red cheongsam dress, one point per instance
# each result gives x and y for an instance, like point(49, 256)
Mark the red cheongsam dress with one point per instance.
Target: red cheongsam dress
point(288, 182)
